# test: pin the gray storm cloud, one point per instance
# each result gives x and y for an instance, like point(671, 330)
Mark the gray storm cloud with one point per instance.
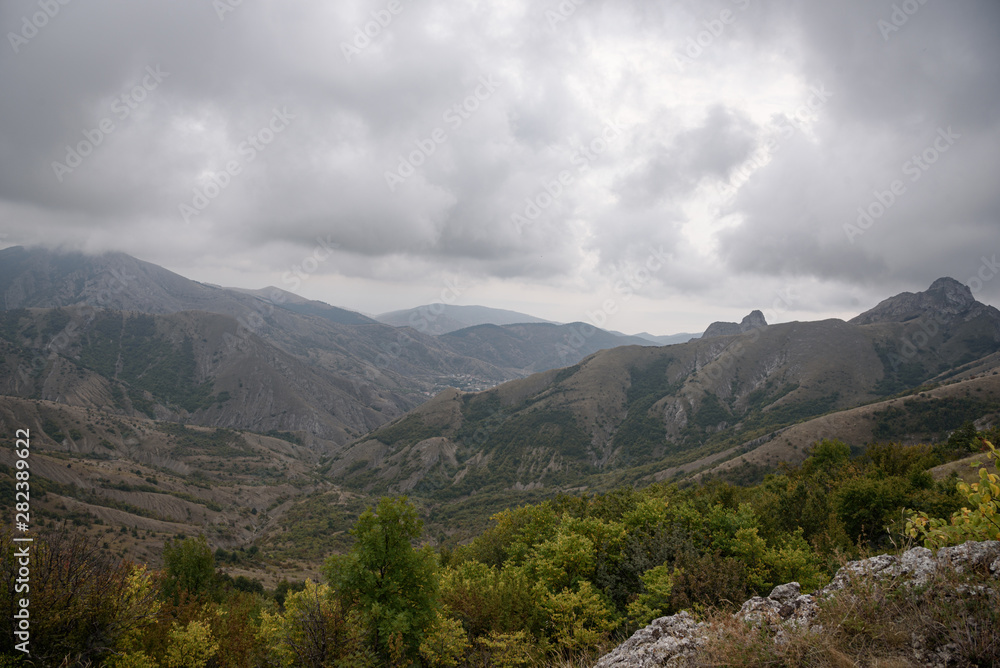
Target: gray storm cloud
point(419, 137)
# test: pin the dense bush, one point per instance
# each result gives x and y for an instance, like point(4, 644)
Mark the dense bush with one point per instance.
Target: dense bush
point(553, 583)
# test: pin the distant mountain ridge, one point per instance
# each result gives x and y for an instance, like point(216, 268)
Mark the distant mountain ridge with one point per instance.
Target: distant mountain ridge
point(533, 347)
point(444, 318)
point(282, 362)
point(295, 364)
point(622, 414)
point(297, 304)
point(668, 339)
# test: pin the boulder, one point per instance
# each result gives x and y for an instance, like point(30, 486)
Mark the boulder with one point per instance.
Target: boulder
point(675, 640)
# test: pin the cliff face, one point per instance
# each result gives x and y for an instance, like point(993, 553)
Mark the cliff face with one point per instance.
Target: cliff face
point(946, 297)
point(679, 640)
point(754, 320)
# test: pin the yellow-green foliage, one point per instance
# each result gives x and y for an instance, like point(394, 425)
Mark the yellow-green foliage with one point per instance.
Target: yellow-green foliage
point(563, 561)
point(138, 659)
point(191, 646)
point(86, 606)
point(558, 581)
point(655, 600)
point(489, 599)
point(445, 643)
point(312, 630)
point(578, 620)
point(393, 586)
point(508, 650)
point(979, 520)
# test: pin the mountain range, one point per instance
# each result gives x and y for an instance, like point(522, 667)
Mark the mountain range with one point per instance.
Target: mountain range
point(444, 318)
point(114, 331)
point(264, 417)
point(630, 413)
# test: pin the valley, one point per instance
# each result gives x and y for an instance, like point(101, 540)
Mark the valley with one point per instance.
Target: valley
point(268, 421)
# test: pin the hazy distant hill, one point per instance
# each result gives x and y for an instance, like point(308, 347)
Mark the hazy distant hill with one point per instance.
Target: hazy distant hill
point(444, 318)
point(535, 347)
point(38, 277)
point(324, 351)
point(190, 366)
point(297, 304)
point(668, 339)
point(637, 410)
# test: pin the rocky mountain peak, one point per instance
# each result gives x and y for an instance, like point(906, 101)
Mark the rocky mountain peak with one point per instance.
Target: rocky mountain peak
point(945, 297)
point(754, 320)
point(952, 291)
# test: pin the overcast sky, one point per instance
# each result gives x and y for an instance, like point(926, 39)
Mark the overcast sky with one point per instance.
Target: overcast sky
point(657, 165)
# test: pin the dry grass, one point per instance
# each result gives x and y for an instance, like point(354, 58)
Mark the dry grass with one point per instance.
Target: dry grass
point(879, 623)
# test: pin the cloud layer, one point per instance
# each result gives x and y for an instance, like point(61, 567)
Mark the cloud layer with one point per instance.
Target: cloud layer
point(540, 153)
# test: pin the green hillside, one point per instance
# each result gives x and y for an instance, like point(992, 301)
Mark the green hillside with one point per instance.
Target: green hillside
point(622, 414)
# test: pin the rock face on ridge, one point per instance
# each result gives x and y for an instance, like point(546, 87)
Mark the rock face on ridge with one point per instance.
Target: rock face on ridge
point(946, 297)
point(675, 640)
point(754, 320)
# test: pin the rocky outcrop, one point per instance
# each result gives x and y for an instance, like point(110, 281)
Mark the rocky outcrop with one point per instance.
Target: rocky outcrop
point(667, 641)
point(946, 299)
point(675, 640)
point(755, 320)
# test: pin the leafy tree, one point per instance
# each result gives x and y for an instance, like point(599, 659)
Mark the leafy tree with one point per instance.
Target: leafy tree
point(85, 605)
point(980, 520)
point(865, 506)
point(579, 620)
point(827, 455)
point(445, 643)
point(394, 585)
point(236, 627)
point(514, 533)
point(313, 631)
point(508, 650)
point(563, 561)
point(490, 599)
point(964, 439)
point(191, 646)
point(188, 566)
point(654, 601)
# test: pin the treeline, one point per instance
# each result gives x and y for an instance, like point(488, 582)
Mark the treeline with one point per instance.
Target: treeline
point(555, 583)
